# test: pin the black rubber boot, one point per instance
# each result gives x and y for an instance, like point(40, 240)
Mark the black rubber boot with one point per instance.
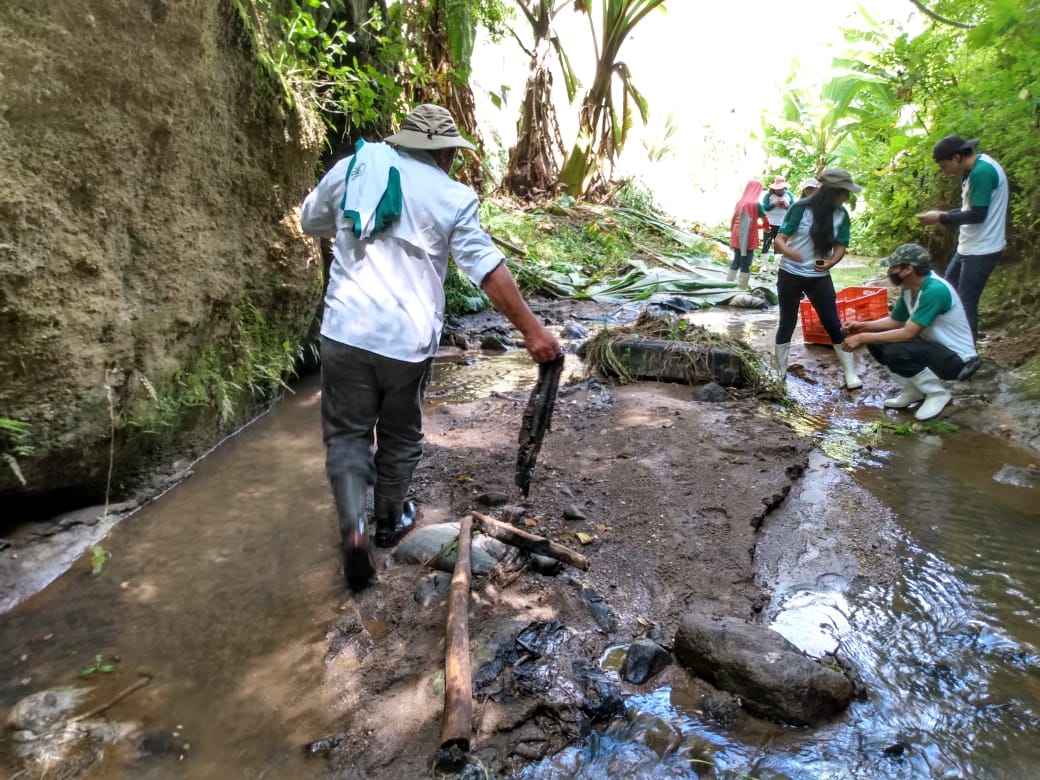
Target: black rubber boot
point(349, 491)
point(358, 566)
point(394, 516)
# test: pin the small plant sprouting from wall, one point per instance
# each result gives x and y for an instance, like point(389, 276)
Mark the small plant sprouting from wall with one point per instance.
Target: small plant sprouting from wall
point(15, 442)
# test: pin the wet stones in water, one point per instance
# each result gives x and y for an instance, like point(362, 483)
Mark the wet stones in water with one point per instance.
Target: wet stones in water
point(493, 498)
point(573, 330)
point(644, 661)
point(721, 707)
point(455, 339)
point(1017, 476)
point(712, 392)
point(896, 749)
point(774, 678)
point(39, 711)
point(494, 342)
point(49, 742)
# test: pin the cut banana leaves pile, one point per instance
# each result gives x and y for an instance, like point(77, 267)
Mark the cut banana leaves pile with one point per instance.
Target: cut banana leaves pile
point(695, 277)
point(688, 273)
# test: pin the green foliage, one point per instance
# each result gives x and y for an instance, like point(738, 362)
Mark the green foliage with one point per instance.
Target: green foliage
point(98, 558)
point(227, 378)
point(311, 47)
point(15, 442)
point(635, 195)
point(877, 427)
point(99, 664)
point(607, 108)
point(896, 94)
point(461, 296)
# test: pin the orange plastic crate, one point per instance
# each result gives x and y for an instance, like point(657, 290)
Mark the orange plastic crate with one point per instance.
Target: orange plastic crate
point(854, 304)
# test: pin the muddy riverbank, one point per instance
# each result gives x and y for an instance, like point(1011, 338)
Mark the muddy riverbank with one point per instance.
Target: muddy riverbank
point(672, 500)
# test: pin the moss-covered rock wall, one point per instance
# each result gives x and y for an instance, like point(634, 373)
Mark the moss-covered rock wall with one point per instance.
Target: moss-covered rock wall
point(153, 279)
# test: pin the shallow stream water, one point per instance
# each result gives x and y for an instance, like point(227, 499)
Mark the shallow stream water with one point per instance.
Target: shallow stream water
point(209, 588)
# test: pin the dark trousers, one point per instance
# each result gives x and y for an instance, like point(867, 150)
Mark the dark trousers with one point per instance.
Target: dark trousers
point(820, 292)
point(768, 237)
point(741, 262)
point(371, 420)
point(968, 275)
point(910, 358)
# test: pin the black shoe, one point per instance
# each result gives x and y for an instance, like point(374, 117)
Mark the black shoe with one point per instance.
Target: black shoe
point(971, 365)
point(390, 530)
point(358, 566)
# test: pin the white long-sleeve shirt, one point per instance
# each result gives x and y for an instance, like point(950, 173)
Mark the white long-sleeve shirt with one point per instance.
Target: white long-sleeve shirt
point(386, 293)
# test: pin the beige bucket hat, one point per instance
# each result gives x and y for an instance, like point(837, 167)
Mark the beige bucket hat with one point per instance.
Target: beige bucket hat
point(429, 126)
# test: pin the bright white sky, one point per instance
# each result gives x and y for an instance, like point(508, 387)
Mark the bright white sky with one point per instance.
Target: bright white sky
point(714, 66)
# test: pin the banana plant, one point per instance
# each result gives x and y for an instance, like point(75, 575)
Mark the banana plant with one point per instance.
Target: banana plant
point(603, 124)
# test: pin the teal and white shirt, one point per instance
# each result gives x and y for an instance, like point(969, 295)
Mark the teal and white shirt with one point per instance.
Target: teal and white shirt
point(938, 310)
point(386, 292)
point(796, 226)
point(985, 185)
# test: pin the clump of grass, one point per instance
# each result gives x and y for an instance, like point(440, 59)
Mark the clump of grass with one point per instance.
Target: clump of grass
point(878, 427)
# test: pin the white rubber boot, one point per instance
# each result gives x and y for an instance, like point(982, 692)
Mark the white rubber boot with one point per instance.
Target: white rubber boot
point(742, 281)
point(731, 275)
point(936, 396)
point(780, 356)
point(910, 394)
point(848, 365)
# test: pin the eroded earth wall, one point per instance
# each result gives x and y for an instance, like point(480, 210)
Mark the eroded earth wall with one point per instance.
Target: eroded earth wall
point(152, 275)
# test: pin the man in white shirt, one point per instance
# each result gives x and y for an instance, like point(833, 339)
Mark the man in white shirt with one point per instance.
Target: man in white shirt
point(384, 312)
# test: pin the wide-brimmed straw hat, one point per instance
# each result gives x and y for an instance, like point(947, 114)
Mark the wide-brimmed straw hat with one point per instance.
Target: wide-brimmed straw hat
point(429, 126)
point(779, 183)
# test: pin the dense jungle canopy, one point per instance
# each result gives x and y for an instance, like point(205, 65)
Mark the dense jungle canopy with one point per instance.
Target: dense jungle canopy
point(972, 70)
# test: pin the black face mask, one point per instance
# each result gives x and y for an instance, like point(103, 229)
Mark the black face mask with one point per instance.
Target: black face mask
point(894, 277)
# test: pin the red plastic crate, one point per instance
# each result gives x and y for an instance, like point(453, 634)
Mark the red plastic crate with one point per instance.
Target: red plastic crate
point(854, 303)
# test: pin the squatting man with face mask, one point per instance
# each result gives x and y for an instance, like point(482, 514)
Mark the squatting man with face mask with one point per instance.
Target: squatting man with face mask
point(926, 337)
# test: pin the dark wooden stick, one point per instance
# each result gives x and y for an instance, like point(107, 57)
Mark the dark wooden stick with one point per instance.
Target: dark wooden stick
point(458, 682)
point(145, 679)
point(529, 542)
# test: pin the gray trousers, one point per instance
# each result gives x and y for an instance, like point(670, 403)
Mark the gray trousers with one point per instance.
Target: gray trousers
point(371, 420)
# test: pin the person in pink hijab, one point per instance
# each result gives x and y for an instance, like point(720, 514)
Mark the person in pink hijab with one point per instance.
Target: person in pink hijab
point(743, 234)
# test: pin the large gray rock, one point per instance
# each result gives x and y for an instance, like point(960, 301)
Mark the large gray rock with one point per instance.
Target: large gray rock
point(433, 545)
point(774, 678)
